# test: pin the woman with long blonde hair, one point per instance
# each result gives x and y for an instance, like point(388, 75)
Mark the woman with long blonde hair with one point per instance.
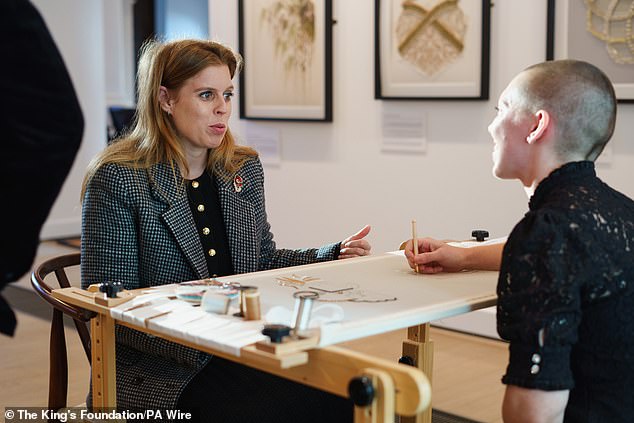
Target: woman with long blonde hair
point(176, 199)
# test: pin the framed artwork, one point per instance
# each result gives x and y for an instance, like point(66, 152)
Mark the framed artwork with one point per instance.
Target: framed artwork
point(432, 49)
point(598, 32)
point(287, 51)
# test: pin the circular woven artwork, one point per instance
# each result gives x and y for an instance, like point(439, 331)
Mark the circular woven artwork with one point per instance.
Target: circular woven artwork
point(611, 21)
point(430, 38)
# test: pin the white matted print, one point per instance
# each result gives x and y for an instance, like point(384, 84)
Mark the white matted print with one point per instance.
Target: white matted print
point(432, 49)
point(287, 49)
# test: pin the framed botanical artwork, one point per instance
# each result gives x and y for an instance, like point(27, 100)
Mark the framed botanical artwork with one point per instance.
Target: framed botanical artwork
point(599, 32)
point(432, 49)
point(287, 51)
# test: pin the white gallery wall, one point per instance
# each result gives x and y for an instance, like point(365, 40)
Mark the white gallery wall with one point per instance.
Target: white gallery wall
point(77, 28)
point(333, 177)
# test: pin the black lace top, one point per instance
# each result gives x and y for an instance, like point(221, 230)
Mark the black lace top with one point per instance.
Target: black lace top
point(566, 295)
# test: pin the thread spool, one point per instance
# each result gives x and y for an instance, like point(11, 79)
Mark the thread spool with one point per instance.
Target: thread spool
point(303, 308)
point(242, 300)
point(215, 302)
point(252, 304)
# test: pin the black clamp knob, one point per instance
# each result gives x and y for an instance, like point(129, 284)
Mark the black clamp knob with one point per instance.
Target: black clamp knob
point(406, 359)
point(276, 332)
point(361, 391)
point(110, 288)
point(480, 234)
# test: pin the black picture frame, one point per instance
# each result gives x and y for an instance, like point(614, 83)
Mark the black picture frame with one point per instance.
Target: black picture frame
point(568, 38)
point(276, 85)
point(466, 77)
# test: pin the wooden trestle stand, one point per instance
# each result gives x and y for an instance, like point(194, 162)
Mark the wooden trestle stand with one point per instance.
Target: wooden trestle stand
point(418, 351)
point(390, 388)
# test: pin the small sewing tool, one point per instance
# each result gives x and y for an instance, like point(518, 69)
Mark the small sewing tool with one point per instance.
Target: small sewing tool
point(243, 301)
point(303, 308)
point(252, 304)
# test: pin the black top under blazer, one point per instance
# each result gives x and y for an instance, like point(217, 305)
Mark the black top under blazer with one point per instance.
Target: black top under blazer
point(138, 228)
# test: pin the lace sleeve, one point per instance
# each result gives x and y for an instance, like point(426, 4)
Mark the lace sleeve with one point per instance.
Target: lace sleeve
point(539, 302)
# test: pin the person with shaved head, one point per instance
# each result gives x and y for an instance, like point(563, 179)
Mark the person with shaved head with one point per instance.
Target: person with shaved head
point(566, 283)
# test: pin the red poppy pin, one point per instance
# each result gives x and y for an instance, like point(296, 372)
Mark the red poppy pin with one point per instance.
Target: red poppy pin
point(237, 183)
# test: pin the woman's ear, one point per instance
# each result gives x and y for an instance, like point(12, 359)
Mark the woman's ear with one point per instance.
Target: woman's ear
point(164, 100)
point(542, 120)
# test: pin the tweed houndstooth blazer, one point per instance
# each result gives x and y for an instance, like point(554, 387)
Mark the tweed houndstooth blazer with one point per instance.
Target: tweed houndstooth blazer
point(137, 228)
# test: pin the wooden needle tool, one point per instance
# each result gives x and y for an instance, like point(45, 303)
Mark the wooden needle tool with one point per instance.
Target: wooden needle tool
point(415, 241)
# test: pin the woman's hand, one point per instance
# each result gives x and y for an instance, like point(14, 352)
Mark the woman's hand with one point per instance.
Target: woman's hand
point(355, 245)
point(438, 256)
point(435, 256)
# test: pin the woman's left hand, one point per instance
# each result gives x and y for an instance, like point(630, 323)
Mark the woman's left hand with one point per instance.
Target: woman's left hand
point(355, 245)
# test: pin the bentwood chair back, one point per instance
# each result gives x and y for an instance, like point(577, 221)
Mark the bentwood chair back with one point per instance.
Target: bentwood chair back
point(58, 372)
